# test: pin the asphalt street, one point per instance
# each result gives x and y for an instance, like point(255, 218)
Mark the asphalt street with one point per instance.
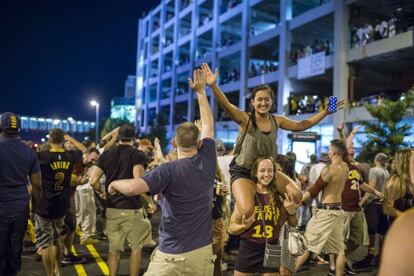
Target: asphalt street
point(96, 256)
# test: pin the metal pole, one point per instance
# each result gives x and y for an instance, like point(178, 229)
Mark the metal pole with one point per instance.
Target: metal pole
point(97, 124)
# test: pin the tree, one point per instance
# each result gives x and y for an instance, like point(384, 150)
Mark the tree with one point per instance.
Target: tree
point(386, 134)
point(157, 129)
point(111, 124)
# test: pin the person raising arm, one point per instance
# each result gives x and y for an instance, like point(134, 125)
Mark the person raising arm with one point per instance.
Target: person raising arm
point(257, 137)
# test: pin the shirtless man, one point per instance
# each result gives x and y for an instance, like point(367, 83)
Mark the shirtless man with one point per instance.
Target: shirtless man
point(325, 229)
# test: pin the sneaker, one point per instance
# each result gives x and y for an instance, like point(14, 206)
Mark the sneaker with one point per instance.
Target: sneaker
point(72, 259)
point(376, 260)
point(89, 240)
point(366, 262)
point(348, 270)
point(332, 272)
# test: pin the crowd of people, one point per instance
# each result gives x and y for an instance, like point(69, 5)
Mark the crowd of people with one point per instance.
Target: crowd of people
point(230, 75)
point(260, 68)
point(250, 200)
point(310, 49)
point(367, 32)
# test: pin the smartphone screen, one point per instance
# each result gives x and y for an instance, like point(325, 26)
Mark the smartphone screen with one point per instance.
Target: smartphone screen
point(332, 104)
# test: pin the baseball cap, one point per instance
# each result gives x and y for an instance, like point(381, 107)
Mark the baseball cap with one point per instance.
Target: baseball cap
point(381, 158)
point(126, 132)
point(10, 123)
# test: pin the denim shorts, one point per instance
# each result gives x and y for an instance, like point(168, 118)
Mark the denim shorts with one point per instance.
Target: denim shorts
point(237, 172)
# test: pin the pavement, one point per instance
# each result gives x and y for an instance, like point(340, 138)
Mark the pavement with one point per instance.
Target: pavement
point(96, 256)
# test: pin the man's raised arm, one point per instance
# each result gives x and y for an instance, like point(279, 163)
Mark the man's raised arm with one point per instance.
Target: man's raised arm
point(77, 144)
point(207, 121)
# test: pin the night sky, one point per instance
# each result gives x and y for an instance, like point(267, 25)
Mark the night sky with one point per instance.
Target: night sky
point(55, 56)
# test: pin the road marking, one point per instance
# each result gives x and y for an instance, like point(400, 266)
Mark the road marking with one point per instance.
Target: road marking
point(92, 250)
point(78, 267)
point(102, 265)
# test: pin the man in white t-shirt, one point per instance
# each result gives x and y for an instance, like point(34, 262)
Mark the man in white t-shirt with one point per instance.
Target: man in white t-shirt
point(85, 202)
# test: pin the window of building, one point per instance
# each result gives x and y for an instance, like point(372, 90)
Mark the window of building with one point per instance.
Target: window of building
point(169, 10)
point(264, 17)
point(302, 6)
point(264, 57)
point(230, 32)
point(182, 84)
point(166, 89)
point(185, 26)
point(204, 44)
point(153, 93)
point(230, 68)
point(227, 5)
point(184, 54)
point(154, 69)
point(180, 112)
point(205, 14)
point(312, 38)
point(233, 98)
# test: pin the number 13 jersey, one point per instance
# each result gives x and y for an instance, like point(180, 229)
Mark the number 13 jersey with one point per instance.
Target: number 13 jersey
point(271, 215)
point(56, 167)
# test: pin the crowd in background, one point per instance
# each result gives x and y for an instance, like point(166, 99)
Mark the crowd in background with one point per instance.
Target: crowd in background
point(380, 28)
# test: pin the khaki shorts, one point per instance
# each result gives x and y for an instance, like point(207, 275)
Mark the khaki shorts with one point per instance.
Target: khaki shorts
point(355, 229)
point(325, 232)
point(198, 262)
point(219, 231)
point(131, 225)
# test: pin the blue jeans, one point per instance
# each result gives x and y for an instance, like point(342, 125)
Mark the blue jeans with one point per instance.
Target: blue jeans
point(12, 230)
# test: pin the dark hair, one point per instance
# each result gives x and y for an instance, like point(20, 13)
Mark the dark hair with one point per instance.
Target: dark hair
point(287, 166)
point(339, 146)
point(127, 140)
point(262, 87)
point(56, 136)
point(187, 135)
point(313, 158)
point(87, 143)
point(102, 143)
point(93, 149)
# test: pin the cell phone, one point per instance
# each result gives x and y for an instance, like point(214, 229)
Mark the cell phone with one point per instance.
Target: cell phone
point(332, 104)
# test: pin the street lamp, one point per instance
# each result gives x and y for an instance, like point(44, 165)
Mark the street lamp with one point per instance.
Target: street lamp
point(72, 125)
point(96, 105)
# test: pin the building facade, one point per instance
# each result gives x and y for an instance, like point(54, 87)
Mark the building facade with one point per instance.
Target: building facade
point(306, 50)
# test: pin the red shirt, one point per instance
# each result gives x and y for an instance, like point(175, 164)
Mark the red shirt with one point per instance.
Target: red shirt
point(351, 193)
point(255, 232)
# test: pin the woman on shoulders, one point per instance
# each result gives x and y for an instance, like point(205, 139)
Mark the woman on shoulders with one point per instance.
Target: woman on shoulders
point(257, 137)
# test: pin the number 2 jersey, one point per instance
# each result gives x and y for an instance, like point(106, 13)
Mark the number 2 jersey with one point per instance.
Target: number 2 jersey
point(56, 167)
point(256, 231)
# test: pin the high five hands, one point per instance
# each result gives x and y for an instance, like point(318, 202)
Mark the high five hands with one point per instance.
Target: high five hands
point(211, 78)
point(198, 83)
